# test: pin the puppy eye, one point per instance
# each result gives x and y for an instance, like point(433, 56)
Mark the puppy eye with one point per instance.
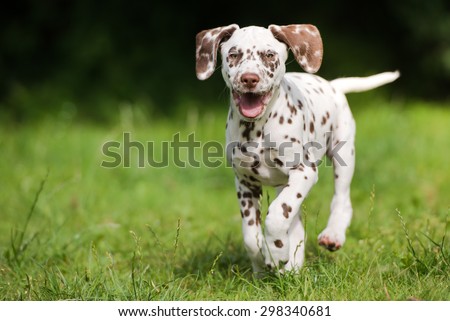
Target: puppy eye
point(270, 54)
point(233, 55)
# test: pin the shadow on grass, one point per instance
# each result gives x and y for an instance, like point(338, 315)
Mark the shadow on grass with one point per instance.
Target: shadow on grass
point(216, 256)
point(228, 256)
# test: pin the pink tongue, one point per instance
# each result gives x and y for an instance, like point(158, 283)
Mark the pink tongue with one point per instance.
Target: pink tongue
point(251, 105)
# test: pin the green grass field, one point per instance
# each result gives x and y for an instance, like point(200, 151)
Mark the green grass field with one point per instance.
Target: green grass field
point(73, 230)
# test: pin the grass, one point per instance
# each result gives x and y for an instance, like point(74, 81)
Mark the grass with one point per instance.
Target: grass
point(73, 230)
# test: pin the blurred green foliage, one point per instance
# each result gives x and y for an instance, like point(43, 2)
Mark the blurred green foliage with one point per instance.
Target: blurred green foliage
point(86, 58)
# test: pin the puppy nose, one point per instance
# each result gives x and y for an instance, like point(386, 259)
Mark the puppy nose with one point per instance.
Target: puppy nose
point(249, 80)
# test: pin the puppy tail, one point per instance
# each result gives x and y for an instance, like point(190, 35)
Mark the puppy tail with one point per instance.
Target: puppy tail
point(359, 84)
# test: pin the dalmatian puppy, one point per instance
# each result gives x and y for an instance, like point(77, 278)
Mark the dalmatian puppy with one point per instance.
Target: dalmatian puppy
point(280, 125)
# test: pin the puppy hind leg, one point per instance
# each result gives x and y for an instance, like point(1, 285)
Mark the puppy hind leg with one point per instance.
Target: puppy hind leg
point(333, 236)
point(251, 224)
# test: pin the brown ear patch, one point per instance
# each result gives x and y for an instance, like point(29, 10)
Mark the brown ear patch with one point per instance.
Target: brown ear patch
point(305, 43)
point(207, 45)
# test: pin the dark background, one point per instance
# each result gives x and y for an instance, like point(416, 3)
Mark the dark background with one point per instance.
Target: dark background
point(87, 57)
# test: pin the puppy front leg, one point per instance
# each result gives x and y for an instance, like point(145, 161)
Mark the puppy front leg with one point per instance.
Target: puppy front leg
point(282, 219)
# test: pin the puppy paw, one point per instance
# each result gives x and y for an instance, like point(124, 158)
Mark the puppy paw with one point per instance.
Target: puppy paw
point(276, 254)
point(331, 240)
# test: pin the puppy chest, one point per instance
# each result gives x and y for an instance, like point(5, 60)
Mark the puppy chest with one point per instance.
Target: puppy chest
point(260, 151)
point(256, 163)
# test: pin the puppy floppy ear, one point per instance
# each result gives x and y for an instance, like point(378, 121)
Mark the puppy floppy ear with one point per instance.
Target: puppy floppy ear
point(305, 43)
point(207, 43)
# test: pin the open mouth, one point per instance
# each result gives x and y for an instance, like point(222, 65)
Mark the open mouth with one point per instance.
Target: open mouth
point(250, 104)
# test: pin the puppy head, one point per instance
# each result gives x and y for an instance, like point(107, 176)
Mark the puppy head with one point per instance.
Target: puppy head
point(253, 60)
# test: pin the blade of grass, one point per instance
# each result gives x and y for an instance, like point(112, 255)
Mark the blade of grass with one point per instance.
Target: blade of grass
point(18, 246)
